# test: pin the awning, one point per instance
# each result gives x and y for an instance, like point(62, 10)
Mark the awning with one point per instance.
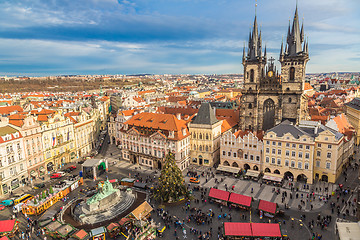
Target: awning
point(348, 231)
point(240, 199)
point(142, 211)
point(228, 169)
point(252, 173)
point(237, 229)
point(265, 230)
point(219, 194)
point(7, 225)
point(266, 206)
point(33, 173)
point(272, 177)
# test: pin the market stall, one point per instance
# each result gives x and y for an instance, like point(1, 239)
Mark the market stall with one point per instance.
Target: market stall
point(241, 201)
point(267, 209)
point(141, 212)
point(81, 235)
point(266, 230)
point(252, 175)
point(98, 233)
point(252, 231)
point(219, 196)
point(58, 230)
point(9, 227)
point(228, 169)
point(273, 179)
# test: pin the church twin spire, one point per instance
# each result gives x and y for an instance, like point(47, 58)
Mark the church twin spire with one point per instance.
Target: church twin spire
point(254, 45)
point(296, 45)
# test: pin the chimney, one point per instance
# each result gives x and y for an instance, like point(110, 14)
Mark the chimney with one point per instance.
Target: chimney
point(178, 116)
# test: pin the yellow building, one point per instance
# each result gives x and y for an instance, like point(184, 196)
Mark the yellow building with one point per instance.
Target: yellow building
point(353, 114)
point(205, 132)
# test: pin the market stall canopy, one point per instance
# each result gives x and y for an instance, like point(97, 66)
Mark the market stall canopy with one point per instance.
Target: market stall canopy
point(272, 177)
point(92, 162)
point(142, 211)
point(81, 235)
point(97, 231)
point(265, 230)
point(237, 229)
point(219, 194)
point(252, 173)
point(348, 231)
point(7, 226)
point(228, 169)
point(266, 206)
point(240, 199)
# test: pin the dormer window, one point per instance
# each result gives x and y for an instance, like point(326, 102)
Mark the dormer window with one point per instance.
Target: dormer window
point(171, 134)
point(184, 131)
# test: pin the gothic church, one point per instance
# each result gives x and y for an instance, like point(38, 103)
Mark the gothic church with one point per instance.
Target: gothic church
point(267, 97)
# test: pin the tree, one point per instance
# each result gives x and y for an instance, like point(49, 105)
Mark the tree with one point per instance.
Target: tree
point(43, 195)
point(171, 186)
point(35, 202)
point(51, 190)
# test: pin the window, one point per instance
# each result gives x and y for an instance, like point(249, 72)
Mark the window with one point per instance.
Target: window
point(307, 155)
point(250, 106)
point(287, 144)
point(229, 154)
point(252, 75)
point(279, 143)
point(300, 146)
point(319, 144)
point(274, 143)
point(306, 165)
point(279, 161)
point(273, 151)
point(246, 156)
point(328, 155)
point(292, 163)
point(329, 146)
point(294, 145)
point(307, 147)
point(273, 160)
point(267, 159)
point(252, 157)
point(318, 153)
point(300, 165)
point(279, 151)
point(267, 142)
point(328, 165)
point(234, 154)
point(300, 155)
point(224, 153)
point(257, 158)
point(292, 74)
point(290, 100)
point(326, 139)
point(267, 150)
point(287, 153)
point(293, 153)
point(317, 163)
point(286, 163)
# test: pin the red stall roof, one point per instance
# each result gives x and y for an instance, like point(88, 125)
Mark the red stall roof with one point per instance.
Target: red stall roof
point(266, 206)
point(219, 194)
point(265, 229)
point(240, 199)
point(7, 225)
point(237, 229)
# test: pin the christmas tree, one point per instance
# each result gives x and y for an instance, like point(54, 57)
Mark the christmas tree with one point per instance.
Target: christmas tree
point(171, 186)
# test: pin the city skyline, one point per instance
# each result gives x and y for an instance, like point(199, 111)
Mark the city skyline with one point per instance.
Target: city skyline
point(40, 38)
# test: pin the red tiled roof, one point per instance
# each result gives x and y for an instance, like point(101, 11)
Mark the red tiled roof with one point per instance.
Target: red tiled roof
point(266, 206)
point(240, 199)
point(10, 109)
point(219, 194)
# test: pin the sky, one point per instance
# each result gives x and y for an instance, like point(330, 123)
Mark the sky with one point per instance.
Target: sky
point(60, 37)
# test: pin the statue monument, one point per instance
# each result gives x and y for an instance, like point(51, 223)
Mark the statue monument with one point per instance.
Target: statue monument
point(105, 197)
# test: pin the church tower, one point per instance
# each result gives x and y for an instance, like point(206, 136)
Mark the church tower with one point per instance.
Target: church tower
point(254, 64)
point(293, 63)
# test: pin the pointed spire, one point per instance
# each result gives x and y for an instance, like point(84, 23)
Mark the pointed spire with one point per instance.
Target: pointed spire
point(295, 36)
point(302, 32)
point(282, 49)
point(288, 35)
point(244, 53)
point(265, 52)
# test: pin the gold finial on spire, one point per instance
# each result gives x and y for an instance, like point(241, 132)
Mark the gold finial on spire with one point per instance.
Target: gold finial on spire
point(255, 6)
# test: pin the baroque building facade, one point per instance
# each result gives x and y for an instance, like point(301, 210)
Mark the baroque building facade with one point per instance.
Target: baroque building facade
point(268, 97)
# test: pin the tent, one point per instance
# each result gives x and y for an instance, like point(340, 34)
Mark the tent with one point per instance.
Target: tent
point(237, 229)
point(219, 194)
point(266, 229)
point(268, 207)
point(262, 230)
point(239, 199)
point(8, 227)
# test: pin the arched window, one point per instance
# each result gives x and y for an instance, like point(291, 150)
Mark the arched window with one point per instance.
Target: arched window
point(200, 148)
point(292, 74)
point(289, 99)
point(287, 89)
point(249, 127)
point(207, 137)
point(207, 148)
point(252, 75)
point(200, 136)
point(250, 106)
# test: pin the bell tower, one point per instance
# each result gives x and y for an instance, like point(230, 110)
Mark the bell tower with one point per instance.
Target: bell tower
point(293, 63)
point(254, 61)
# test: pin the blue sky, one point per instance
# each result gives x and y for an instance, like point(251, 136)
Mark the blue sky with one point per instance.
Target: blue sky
point(52, 37)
